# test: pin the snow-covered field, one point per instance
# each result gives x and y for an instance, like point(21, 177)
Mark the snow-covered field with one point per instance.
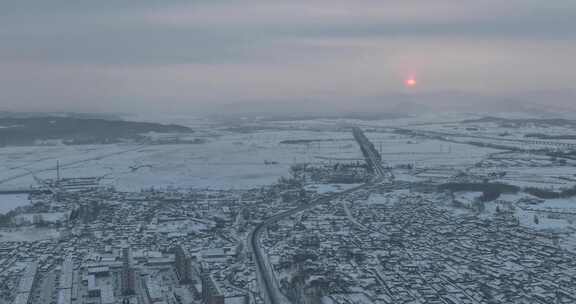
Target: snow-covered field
point(551, 215)
point(554, 178)
point(399, 149)
point(228, 160)
point(12, 201)
point(232, 160)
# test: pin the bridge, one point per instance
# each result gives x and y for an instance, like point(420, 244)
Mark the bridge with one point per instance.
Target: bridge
point(372, 156)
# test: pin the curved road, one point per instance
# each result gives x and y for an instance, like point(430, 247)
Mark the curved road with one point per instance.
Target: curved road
point(271, 292)
point(269, 288)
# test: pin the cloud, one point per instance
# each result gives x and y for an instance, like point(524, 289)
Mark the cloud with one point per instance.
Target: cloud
point(188, 54)
point(333, 12)
point(371, 17)
point(45, 87)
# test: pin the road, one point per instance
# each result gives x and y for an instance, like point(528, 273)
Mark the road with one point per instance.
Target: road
point(269, 289)
point(271, 292)
point(371, 155)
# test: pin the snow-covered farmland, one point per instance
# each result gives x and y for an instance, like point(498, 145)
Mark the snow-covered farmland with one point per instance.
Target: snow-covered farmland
point(400, 149)
point(232, 160)
point(12, 201)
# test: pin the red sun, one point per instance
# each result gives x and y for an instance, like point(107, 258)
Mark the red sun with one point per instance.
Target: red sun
point(410, 82)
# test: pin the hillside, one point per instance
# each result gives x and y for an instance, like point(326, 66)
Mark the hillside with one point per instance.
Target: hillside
point(73, 130)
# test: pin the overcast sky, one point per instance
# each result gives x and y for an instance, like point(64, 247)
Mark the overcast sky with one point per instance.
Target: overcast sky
point(175, 55)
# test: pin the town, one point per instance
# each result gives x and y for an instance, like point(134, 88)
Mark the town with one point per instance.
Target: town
point(356, 231)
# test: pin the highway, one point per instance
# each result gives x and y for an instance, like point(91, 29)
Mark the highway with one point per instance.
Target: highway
point(271, 292)
point(371, 155)
point(269, 289)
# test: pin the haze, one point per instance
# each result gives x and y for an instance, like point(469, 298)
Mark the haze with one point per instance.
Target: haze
point(175, 56)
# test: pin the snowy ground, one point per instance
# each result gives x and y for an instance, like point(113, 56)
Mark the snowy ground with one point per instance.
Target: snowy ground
point(229, 160)
point(550, 215)
point(12, 201)
point(554, 178)
point(232, 160)
point(423, 153)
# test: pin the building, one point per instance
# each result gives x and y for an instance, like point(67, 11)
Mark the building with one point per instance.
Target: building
point(78, 184)
point(183, 264)
point(128, 274)
point(104, 293)
point(211, 294)
point(107, 295)
point(153, 290)
point(66, 282)
point(93, 290)
point(64, 296)
point(26, 284)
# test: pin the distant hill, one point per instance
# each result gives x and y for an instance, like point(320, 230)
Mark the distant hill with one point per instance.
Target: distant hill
point(75, 130)
point(107, 116)
point(539, 104)
point(351, 115)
